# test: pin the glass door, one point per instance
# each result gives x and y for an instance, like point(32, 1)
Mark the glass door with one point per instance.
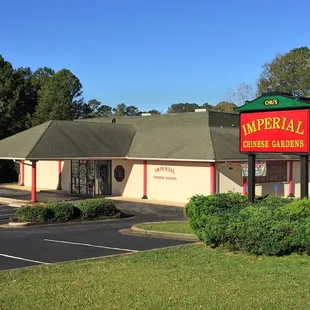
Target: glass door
point(91, 178)
point(103, 177)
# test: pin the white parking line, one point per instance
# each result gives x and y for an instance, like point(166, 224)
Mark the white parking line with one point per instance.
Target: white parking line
point(25, 259)
point(90, 245)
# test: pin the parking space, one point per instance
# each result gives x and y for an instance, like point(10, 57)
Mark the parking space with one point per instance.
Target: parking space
point(6, 213)
point(38, 245)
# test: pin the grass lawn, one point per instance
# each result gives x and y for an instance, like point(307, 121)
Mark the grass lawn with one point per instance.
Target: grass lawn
point(175, 227)
point(188, 277)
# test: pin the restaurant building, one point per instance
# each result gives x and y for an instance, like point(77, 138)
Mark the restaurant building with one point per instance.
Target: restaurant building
point(167, 157)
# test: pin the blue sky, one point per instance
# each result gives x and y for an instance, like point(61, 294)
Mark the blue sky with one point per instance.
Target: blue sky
point(153, 53)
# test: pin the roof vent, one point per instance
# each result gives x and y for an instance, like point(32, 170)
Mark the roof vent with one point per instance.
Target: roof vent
point(200, 110)
point(113, 121)
point(146, 114)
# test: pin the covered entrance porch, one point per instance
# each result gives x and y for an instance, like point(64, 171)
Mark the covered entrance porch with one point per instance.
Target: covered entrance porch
point(88, 147)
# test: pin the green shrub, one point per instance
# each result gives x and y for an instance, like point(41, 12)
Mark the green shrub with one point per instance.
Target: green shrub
point(63, 211)
point(271, 226)
point(264, 232)
point(208, 215)
point(97, 207)
point(295, 210)
point(33, 213)
point(273, 202)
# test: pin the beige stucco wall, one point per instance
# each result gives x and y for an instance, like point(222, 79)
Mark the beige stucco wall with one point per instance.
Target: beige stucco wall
point(179, 184)
point(187, 180)
point(132, 185)
point(66, 175)
point(47, 174)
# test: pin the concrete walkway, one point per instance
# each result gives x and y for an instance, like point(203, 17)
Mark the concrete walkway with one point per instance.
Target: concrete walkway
point(15, 196)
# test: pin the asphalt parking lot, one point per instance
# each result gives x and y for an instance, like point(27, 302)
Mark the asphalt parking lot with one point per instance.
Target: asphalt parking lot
point(6, 213)
point(46, 244)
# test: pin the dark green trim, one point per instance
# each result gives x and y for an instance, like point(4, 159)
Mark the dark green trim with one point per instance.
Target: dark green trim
point(277, 101)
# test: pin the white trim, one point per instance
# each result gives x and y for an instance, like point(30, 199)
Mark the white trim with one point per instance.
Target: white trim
point(149, 159)
point(24, 259)
point(90, 245)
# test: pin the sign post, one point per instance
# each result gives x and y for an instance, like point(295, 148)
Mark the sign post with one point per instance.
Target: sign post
point(304, 175)
point(251, 178)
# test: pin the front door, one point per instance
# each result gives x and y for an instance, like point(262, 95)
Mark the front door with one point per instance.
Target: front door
point(91, 178)
point(104, 177)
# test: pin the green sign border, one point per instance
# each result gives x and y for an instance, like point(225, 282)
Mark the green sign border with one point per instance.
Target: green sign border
point(276, 101)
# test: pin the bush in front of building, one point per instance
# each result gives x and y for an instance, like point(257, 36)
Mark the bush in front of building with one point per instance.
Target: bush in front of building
point(211, 213)
point(97, 207)
point(33, 213)
point(272, 226)
point(55, 211)
point(63, 211)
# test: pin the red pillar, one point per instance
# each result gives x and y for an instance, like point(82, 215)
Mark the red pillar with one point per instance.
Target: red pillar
point(59, 175)
point(244, 184)
point(34, 181)
point(212, 178)
point(290, 179)
point(22, 172)
point(144, 180)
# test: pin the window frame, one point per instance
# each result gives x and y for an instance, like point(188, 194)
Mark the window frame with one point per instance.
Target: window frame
point(277, 171)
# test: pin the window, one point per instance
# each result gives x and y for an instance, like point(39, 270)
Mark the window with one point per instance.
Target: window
point(276, 172)
point(119, 173)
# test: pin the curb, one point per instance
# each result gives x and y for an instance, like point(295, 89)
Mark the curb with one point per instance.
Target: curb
point(152, 233)
point(55, 224)
point(20, 224)
point(14, 205)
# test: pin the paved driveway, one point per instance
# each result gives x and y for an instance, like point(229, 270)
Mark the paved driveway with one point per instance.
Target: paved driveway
point(45, 244)
point(6, 213)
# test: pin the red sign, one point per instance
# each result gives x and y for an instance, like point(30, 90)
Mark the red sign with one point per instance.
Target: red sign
point(275, 132)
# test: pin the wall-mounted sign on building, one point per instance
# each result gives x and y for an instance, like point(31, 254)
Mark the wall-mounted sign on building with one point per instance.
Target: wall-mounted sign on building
point(275, 132)
point(260, 168)
point(164, 173)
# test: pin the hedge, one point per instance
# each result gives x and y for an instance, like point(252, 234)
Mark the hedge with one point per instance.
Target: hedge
point(97, 207)
point(271, 226)
point(33, 213)
point(65, 211)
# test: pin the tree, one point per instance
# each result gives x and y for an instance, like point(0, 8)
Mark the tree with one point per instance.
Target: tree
point(41, 76)
point(207, 106)
point(105, 110)
point(123, 110)
point(154, 111)
point(242, 93)
point(120, 109)
point(287, 73)
point(225, 106)
point(17, 104)
point(183, 107)
point(132, 111)
point(59, 98)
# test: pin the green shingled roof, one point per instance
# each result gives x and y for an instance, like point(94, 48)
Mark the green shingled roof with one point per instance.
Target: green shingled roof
point(67, 139)
point(195, 136)
point(173, 136)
